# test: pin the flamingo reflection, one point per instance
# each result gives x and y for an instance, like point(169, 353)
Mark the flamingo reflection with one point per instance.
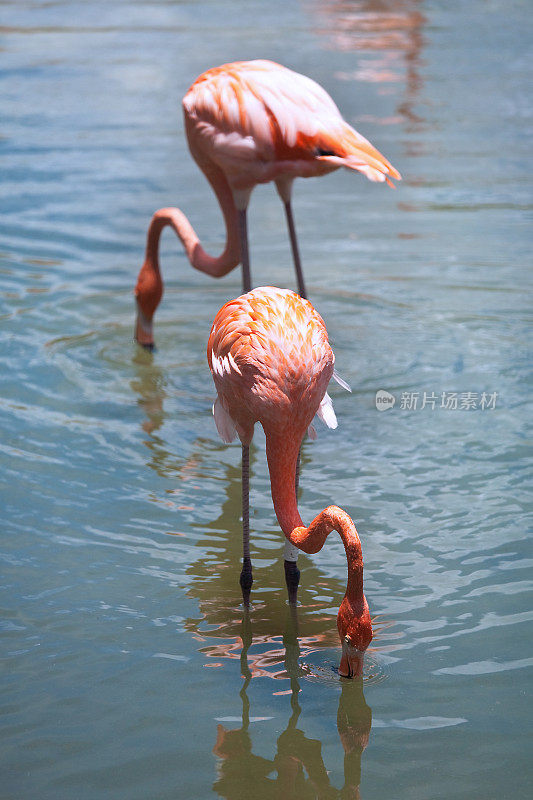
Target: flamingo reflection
point(150, 384)
point(390, 32)
point(297, 769)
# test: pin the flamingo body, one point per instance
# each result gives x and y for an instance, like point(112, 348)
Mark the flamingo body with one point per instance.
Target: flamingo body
point(247, 123)
point(271, 362)
point(259, 122)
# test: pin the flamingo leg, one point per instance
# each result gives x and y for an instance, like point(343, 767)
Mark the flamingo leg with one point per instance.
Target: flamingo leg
point(245, 255)
point(292, 573)
point(295, 251)
point(292, 577)
point(246, 578)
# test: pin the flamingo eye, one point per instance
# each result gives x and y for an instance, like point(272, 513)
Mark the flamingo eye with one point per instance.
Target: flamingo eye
point(320, 152)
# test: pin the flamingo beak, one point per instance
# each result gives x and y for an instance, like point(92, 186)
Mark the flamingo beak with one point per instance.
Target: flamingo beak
point(351, 665)
point(144, 333)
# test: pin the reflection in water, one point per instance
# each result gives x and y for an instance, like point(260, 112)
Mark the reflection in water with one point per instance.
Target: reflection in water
point(390, 28)
point(297, 769)
point(149, 384)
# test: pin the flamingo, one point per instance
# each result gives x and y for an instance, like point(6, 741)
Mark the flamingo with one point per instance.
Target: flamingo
point(247, 123)
point(271, 362)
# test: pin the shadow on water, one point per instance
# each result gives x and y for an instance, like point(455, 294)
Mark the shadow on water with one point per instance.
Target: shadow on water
point(297, 769)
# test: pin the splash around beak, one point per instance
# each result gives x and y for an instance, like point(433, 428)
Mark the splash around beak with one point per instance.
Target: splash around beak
point(351, 665)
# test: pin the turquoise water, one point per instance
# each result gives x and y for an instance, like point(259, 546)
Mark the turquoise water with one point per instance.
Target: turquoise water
point(129, 669)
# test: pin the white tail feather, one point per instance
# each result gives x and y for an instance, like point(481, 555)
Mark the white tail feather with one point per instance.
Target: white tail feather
point(225, 425)
point(326, 413)
point(336, 377)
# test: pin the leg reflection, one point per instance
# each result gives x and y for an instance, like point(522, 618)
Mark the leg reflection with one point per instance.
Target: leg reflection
point(299, 763)
point(297, 769)
point(240, 773)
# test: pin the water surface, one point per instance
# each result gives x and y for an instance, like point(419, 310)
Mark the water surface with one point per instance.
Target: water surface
point(129, 667)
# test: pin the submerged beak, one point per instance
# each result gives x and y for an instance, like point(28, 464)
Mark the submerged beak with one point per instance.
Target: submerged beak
point(351, 665)
point(144, 333)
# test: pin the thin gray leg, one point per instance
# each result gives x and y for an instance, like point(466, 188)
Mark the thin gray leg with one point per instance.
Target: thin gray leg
point(292, 573)
point(246, 578)
point(295, 252)
point(245, 255)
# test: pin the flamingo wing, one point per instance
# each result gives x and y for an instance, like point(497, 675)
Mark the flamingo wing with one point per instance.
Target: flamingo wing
point(263, 116)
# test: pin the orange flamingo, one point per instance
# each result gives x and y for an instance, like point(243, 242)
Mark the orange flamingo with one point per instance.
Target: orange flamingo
point(271, 362)
point(252, 122)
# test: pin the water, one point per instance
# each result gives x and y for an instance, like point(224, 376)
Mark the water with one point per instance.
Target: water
point(129, 668)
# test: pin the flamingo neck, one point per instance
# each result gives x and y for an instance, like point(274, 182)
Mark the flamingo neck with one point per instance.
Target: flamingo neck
point(200, 260)
point(231, 255)
point(282, 453)
point(149, 283)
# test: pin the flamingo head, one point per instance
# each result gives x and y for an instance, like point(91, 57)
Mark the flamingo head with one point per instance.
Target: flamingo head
point(148, 293)
point(355, 632)
point(144, 330)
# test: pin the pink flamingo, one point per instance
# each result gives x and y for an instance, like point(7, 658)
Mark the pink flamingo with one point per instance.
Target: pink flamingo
point(252, 122)
point(271, 362)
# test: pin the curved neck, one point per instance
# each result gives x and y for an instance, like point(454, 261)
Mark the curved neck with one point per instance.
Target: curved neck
point(282, 453)
point(200, 260)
